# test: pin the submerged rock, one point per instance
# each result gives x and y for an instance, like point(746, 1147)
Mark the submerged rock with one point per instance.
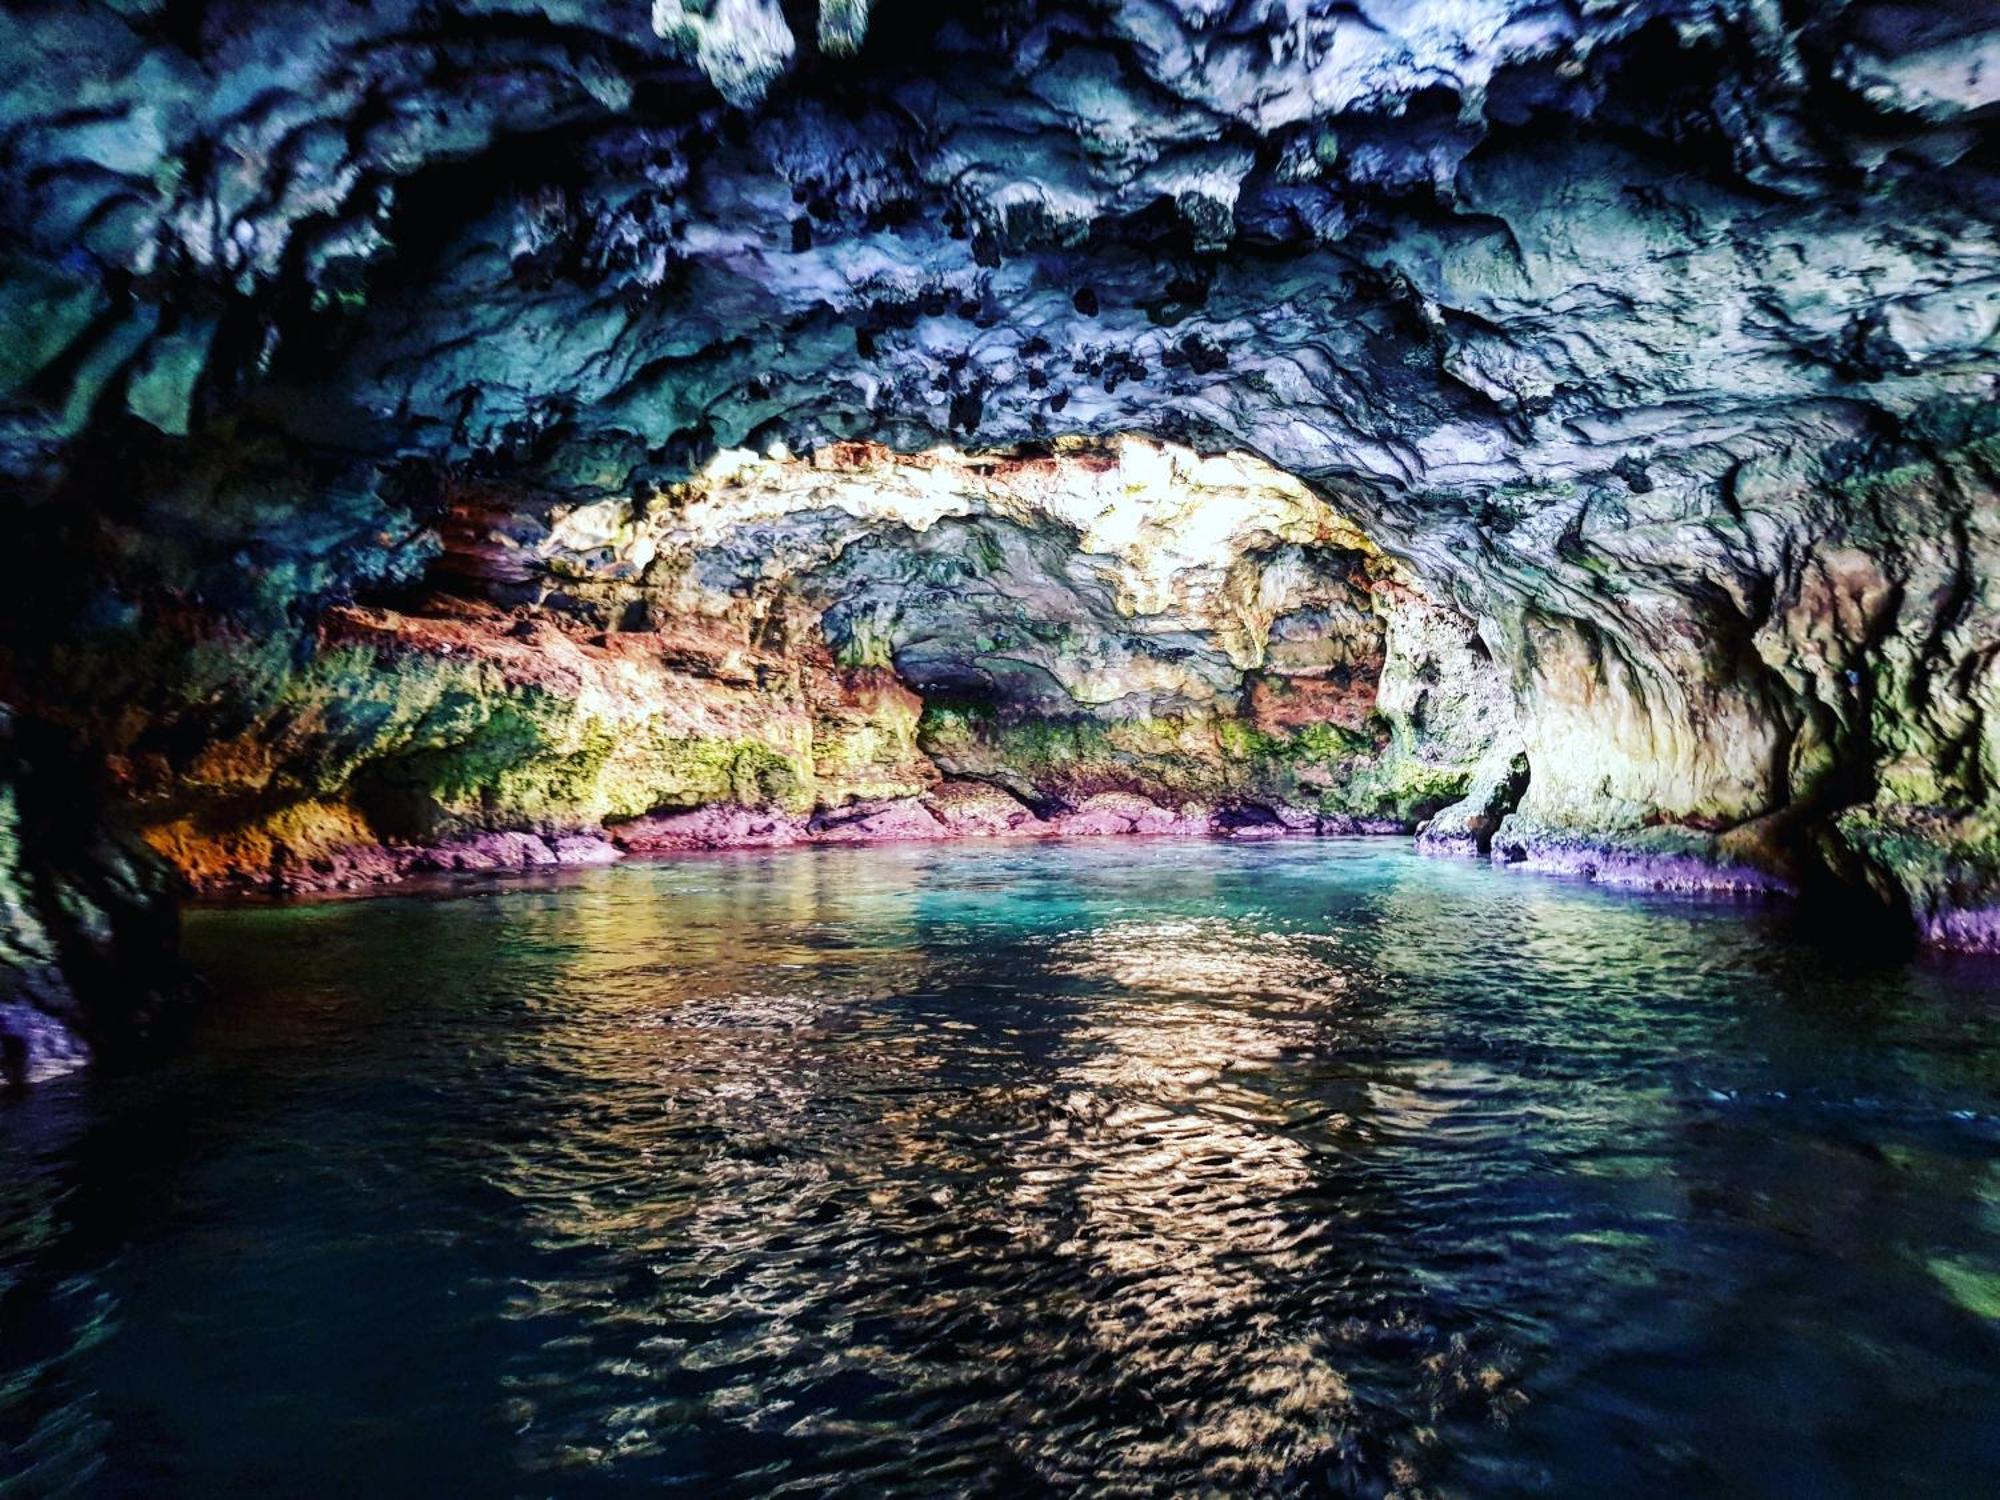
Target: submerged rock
point(1124, 812)
point(1669, 861)
point(709, 828)
point(870, 821)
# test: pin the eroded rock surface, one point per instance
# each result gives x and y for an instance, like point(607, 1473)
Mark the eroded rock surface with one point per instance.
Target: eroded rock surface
point(845, 648)
point(1654, 342)
point(87, 930)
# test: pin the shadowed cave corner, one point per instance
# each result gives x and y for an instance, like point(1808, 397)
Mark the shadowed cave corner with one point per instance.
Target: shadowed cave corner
point(89, 930)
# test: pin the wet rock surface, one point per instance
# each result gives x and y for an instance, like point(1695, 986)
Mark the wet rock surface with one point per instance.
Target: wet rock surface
point(88, 932)
point(1651, 344)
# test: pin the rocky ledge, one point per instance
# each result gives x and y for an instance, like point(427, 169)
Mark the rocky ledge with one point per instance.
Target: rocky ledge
point(949, 810)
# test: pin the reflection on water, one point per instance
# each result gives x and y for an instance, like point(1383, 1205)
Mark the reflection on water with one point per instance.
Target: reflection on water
point(1108, 1169)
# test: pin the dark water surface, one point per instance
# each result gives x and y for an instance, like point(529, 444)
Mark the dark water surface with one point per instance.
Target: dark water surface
point(1149, 1169)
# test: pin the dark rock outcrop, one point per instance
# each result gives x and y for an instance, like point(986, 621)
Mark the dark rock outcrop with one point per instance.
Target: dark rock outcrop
point(88, 933)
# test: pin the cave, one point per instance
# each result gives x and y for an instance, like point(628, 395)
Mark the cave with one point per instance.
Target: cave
point(1507, 494)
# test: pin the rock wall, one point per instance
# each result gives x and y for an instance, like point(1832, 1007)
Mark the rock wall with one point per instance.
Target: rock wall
point(87, 926)
point(1825, 721)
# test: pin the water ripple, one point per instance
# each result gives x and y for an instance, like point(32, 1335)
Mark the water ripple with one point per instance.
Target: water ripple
point(1196, 1169)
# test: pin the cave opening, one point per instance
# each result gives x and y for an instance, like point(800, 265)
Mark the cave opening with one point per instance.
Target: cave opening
point(1083, 637)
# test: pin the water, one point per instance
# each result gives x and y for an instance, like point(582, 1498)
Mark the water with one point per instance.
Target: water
point(1115, 1168)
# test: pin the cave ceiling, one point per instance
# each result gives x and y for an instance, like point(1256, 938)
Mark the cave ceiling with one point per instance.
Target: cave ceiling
point(1599, 259)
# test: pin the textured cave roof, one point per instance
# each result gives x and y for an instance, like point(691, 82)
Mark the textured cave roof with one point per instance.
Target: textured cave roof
point(1508, 277)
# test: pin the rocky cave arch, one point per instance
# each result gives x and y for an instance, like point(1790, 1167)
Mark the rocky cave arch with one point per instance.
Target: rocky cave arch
point(1656, 344)
point(1099, 636)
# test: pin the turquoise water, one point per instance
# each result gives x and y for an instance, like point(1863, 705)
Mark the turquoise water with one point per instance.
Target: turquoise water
point(1117, 1168)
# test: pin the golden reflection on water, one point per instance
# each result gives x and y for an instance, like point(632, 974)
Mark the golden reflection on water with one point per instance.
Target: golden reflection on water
point(1138, 1152)
point(1143, 1158)
point(1181, 1178)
